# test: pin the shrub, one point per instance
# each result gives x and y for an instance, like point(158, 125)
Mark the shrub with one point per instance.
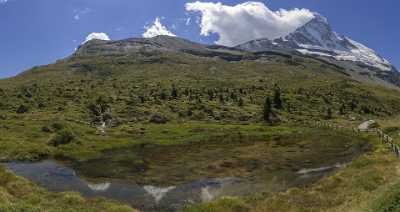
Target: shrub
point(22, 109)
point(63, 137)
point(57, 126)
point(46, 129)
point(158, 119)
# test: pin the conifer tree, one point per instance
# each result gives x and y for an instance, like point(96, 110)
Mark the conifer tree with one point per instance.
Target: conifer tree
point(267, 110)
point(328, 113)
point(174, 92)
point(241, 102)
point(277, 99)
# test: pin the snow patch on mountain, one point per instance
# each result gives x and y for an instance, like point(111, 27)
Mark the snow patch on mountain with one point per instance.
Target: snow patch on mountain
point(306, 51)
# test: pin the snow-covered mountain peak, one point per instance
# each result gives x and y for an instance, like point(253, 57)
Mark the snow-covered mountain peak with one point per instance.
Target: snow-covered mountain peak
point(316, 37)
point(317, 33)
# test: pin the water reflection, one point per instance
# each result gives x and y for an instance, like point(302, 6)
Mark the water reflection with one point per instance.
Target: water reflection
point(57, 178)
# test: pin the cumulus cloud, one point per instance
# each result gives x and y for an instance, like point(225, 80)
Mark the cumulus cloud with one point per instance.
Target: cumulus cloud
point(97, 35)
point(157, 29)
point(247, 21)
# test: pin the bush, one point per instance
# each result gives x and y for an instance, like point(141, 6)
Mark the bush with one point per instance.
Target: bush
point(63, 137)
point(22, 109)
point(46, 129)
point(158, 119)
point(57, 126)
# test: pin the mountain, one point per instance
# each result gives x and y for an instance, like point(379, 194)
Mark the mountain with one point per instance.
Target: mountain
point(162, 43)
point(316, 38)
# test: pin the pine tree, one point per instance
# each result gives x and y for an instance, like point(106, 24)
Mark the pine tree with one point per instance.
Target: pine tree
point(277, 99)
point(328, 113)
point(353, 105)
point(141, 98)
point(241, 102)
point(210, 95)
point(267, 110)
point(163, 95)
point(174, 92)
point(342, 109)
point(221, 98)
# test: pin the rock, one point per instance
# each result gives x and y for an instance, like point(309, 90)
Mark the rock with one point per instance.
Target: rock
point(368, 125)
point(158, 119)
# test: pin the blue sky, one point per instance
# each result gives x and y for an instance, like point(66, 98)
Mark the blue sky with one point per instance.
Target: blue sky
point(35, 32)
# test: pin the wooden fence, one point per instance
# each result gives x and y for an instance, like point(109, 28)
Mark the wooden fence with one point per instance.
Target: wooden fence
point(389, 141)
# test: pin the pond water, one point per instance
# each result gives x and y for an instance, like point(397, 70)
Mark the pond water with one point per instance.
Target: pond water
point(57, 178)
point(165, 178)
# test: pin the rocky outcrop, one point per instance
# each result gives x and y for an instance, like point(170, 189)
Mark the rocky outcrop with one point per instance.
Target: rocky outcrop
point(368, 125)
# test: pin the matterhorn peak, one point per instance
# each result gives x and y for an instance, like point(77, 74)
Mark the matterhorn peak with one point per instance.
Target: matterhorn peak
point(317, 38)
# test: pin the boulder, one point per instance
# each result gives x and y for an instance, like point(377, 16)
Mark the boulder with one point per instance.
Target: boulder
point(368, 125)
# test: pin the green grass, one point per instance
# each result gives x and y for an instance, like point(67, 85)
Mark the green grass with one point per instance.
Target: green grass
point(62, 92)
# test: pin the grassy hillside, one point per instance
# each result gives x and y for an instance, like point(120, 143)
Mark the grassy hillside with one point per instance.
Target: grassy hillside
point(167, 101)
point(64, 102)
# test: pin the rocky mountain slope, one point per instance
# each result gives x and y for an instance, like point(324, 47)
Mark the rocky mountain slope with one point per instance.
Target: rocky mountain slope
point(166, 44)
point(317, 39)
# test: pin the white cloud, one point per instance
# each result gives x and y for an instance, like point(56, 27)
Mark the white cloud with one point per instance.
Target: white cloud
point(157, 29)
point(247, 21)
point(3, 1)
point(97, 36)
point(80, 12)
